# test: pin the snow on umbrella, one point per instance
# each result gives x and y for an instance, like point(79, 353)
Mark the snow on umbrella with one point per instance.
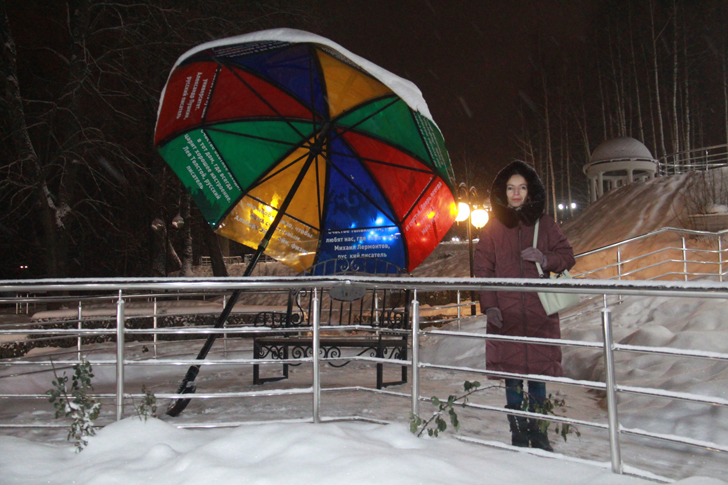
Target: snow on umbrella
point(293, 145)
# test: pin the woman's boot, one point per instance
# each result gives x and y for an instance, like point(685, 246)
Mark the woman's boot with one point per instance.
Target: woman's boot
point(519, 429)
point(538, 437)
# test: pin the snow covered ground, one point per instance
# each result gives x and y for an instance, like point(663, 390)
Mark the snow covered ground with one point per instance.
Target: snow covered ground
point(132, 451)
point(297, 451)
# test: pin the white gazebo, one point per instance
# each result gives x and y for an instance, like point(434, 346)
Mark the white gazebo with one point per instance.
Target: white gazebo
point(618, 162)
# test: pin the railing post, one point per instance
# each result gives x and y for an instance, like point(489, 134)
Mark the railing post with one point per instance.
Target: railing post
point(619, 268)
point(611, 390)
point(154, 319)
point(460, 313)
point(619, 263)
point(119, 357)
point(80, 327)
point(315, 349)
point(224, 326)
point(415, 355)
point(720, 258)
point(685, 258)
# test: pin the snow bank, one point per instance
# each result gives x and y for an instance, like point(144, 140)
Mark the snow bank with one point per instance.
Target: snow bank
point(132, 451)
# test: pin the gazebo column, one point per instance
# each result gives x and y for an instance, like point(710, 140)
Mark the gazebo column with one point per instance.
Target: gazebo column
point(600, 185)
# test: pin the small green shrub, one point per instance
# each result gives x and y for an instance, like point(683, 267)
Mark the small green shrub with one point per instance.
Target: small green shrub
point(437, 424)
point(147, 408)
point(74, 402)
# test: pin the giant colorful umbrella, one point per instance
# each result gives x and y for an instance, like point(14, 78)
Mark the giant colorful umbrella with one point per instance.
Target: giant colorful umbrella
point(293, 145)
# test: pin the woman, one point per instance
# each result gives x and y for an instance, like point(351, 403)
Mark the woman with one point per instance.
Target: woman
point(506, 250)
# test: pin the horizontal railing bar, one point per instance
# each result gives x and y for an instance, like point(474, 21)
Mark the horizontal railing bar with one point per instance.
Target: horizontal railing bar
point(364, 358)
point(704, 289)
point(527, 414)
point(162, 297)
point(675, 439)
point(513, 375)
point(701, 354)
point(163, 362)
point(682, 396)
point(508, 338)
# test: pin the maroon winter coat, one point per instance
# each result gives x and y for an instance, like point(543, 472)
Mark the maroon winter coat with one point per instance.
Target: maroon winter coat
point(498, 254)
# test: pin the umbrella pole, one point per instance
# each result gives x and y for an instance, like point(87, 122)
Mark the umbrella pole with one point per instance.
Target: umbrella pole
point(187, 386)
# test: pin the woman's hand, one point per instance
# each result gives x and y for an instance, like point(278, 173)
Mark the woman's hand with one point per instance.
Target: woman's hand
point(535, 255)
point(495, 316)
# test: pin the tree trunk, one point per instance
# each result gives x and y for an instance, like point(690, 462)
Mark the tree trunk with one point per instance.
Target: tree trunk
point(549, 154)
point(661, 128)
point(187, 253)
point(601, 99)
point(675, 72)
point(636, 78)
point(159, 248)
point(687, 135)
point(213, 246)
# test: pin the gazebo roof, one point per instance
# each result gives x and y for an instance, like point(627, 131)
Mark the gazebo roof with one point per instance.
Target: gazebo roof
point(620, 149)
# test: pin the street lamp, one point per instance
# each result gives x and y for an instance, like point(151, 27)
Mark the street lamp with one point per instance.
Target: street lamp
point(469, 211)
point(571, 206)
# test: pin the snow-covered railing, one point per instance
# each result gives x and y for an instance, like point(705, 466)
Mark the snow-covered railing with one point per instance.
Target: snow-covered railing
point(694, 262)
point(125, 288)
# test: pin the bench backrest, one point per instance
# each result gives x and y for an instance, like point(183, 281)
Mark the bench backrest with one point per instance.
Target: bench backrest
point(386, 309)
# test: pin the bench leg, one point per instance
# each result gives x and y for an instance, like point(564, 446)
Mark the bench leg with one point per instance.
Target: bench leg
point(258, 354)
point(380, 367)
point(404, 357)
point(256, 367)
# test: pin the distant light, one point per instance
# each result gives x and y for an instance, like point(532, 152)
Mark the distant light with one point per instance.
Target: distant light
point(431, 214)
point(353, 225)
point(479, 218)
point(561, 207)
point(379, 221)
point(456, 239)
point(463, 212)
point(573, 205)
point(23, 266)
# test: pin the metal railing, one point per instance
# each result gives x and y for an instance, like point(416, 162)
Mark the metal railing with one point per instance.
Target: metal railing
point(124, 289)
point(705, 158)
point(710, 258)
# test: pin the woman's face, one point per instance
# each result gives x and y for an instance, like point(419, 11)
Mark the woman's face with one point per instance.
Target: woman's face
point(516, 191)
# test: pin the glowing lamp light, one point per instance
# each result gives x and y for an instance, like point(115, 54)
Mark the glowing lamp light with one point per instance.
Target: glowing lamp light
point(463, 212)
point(573, 205)
point(479, 218)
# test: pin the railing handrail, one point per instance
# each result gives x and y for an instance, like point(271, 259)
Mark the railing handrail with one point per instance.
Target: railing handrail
point(704, 289)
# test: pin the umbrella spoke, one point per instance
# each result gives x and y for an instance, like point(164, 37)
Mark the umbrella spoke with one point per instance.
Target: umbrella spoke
point(263, 99)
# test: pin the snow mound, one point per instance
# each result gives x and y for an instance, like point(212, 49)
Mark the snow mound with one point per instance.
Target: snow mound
point(132, 451)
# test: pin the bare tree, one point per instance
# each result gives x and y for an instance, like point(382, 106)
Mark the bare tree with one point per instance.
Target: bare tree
point(80, 105)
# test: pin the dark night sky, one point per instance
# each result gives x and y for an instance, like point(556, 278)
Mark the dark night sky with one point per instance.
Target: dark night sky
point(470, 59)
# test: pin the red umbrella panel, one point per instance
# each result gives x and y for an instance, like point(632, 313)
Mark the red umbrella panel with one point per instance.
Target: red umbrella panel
point(251, 126)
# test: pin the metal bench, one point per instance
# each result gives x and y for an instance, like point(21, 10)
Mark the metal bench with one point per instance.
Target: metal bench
point(385, 311)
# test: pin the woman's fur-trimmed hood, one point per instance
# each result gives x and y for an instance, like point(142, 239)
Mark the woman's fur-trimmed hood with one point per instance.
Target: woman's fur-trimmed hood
point(535, 203)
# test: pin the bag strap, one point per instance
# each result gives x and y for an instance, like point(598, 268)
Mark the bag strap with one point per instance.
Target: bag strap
point(535, 241)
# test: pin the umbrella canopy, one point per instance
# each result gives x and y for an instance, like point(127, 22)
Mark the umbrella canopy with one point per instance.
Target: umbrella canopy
point(284, 120)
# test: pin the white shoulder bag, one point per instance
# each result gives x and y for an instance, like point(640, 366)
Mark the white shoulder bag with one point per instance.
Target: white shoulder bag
point(554, 302)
